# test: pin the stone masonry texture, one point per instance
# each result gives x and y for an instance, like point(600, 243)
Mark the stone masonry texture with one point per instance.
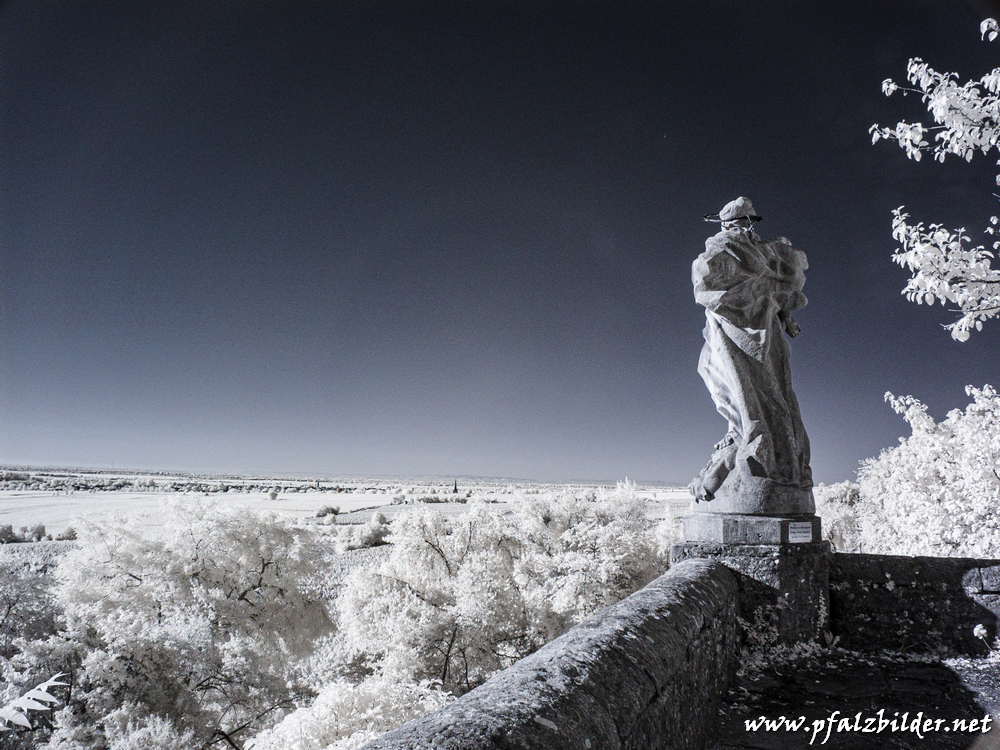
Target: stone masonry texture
point(916, 604)
point(644, 674)
point(782, 584)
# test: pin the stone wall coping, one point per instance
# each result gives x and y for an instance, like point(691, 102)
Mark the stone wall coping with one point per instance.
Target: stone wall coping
point(920, 604)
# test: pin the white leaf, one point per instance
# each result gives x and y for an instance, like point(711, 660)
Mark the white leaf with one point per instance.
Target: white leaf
point(28, 704)
point(14, 717)
point(40, 695)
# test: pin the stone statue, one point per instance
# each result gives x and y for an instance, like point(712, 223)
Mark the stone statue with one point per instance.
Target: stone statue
point(749, 288)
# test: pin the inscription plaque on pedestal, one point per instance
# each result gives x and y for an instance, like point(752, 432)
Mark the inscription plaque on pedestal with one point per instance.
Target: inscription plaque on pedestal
point(800, 532)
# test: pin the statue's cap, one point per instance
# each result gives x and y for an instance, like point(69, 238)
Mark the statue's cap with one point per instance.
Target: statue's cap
point(737, 209)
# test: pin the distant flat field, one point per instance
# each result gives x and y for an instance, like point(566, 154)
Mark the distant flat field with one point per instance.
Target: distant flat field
point(39, 500)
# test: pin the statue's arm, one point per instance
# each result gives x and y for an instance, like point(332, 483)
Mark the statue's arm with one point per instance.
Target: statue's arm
point(786, 275)
point(791, 266)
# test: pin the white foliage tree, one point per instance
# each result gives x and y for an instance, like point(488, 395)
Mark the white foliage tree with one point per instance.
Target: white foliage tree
point(445, 605)
point(192, 636)
point(26, 606)
point(937, 492)
point(839, 505)
point(584, 556)
point(345, 716)
point(459, 599)
point(943, 263)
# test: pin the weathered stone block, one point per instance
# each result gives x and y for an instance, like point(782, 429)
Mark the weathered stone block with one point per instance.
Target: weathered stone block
point(972, 581)
point(990, 578)
point(788, 581)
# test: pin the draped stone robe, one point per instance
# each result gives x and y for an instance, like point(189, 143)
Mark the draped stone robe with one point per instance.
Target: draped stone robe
point(749, 287)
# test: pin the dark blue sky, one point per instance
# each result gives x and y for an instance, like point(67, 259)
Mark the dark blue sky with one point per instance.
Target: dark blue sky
point(454, 237)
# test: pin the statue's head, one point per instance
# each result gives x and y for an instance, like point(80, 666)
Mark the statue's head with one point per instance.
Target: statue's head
point(737, 214)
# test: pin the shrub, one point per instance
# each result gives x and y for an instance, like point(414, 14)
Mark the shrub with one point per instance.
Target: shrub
point(363, 536)
point(938, 491)
point(26, 534)
point(838, 505)
point(34, 533)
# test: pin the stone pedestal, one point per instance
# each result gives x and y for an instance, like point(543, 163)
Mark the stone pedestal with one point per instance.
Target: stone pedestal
point(777, 551)
point(737, 528)
point(782, 585)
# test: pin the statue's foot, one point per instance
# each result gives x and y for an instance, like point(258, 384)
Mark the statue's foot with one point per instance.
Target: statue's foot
point(706, 484)
point(727, 441)
point(702, 494)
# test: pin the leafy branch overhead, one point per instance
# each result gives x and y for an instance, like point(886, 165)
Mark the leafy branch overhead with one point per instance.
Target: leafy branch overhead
point(943, 265)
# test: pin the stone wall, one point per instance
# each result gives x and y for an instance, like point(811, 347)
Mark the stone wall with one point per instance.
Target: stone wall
point(646, 673)
point(913, 603)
